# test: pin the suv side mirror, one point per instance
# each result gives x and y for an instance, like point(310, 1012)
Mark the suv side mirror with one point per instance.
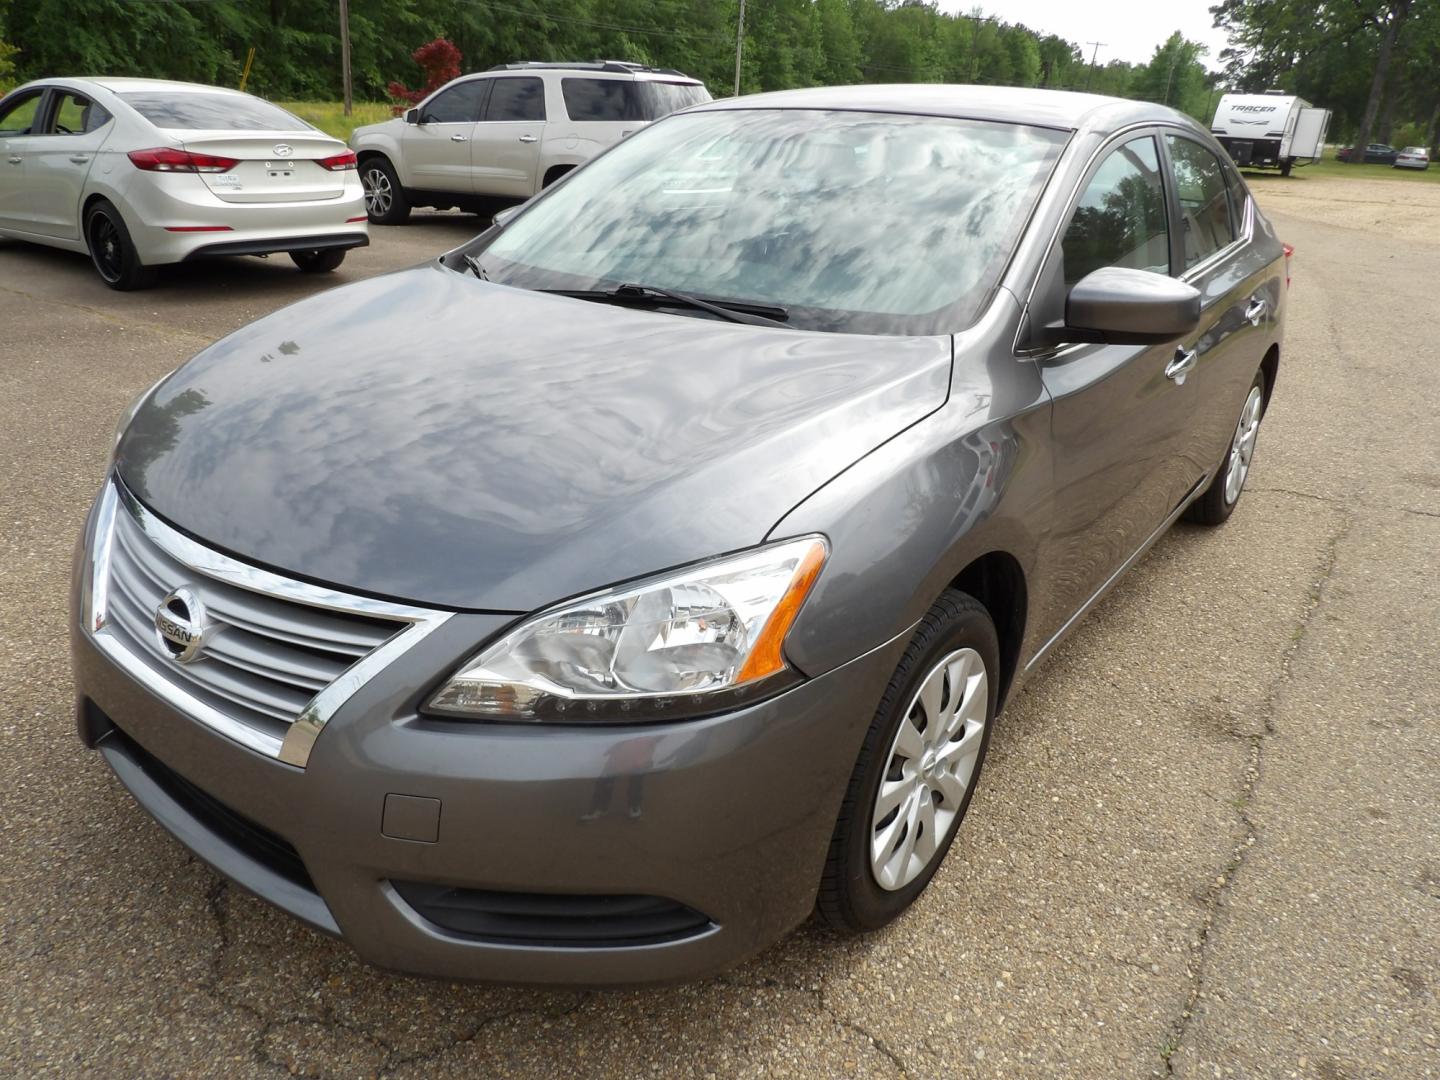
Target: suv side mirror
point(1121, 306)
point(412, 116)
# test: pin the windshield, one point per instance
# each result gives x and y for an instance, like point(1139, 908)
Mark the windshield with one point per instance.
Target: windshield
point(211, 112)
point(855, 222)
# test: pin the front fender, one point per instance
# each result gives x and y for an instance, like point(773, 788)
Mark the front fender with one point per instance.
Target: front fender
point(972, 478)
point(384, 145)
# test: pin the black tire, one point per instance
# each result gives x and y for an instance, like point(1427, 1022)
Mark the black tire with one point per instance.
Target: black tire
point(385, 201)
point(851, 898)
point(1285, 167)
point(113, 252)
point(318, 262)
point(1215, 506)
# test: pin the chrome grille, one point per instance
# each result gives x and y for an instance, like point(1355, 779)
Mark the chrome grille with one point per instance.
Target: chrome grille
point(273, 648)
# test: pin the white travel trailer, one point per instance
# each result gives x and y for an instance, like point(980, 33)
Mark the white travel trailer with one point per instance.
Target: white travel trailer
point(1270, 130)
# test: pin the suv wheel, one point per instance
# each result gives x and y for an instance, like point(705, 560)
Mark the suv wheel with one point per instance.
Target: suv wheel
point(385, 202)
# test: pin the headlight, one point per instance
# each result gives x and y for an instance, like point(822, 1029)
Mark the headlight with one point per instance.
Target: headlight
point(678, 645)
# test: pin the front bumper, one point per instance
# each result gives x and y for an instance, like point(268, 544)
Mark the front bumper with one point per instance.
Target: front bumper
point(728, 817)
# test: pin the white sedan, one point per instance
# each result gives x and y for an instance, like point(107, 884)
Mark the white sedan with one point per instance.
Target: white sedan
point(1413, 157)
point(139, 173)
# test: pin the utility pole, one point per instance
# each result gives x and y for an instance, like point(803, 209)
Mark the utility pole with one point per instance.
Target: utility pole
point(1089, 75)
point(345, 51)
point(1174, 55)
point(739, 44)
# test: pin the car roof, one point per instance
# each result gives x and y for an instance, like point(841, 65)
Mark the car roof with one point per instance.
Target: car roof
point(124, 85)
point(620, 68)
point(1009, 104)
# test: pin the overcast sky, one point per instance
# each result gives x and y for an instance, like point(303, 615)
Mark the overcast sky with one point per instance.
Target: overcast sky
point(1131, 29)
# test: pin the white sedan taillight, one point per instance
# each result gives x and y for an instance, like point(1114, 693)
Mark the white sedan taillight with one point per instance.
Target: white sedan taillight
point(339, 162)
point(166, 159)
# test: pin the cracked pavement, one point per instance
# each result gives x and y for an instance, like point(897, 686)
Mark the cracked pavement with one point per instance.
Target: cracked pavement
point(1205, 843)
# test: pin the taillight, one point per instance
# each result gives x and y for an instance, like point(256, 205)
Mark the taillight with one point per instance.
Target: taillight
point(339, 162)
point(164, 159)
point(1289, 250)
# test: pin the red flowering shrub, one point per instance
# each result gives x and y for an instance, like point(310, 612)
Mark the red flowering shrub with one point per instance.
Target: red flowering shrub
point(440, 60)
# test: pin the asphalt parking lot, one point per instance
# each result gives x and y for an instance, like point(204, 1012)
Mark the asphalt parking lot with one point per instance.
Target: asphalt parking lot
point(1205, 844)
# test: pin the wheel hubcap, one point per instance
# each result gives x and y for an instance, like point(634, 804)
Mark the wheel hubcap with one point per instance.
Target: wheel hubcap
point(377, 192)
point(929, 770)
point(1242, 446)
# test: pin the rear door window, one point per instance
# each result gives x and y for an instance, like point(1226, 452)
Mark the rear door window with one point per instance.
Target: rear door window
point(458, 105)
point(601, 100)
point(1236, 187)
point(212, 112)
point(1204, 200)
point(1121, 219)
point(77, 115)
point(20, 116)
point(516, 99)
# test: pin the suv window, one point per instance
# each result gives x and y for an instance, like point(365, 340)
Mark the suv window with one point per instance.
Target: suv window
point(663, 98)
point(20, 116)
point(1204, 202)
point(516, 99)
point(76, 115)
point(601, 99)
point(460, 104)
point(1120, 220)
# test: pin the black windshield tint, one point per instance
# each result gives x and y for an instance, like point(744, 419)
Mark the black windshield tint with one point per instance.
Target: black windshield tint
point(602, 100)
point(212, 112)
point(858, 222)
point(663, 98)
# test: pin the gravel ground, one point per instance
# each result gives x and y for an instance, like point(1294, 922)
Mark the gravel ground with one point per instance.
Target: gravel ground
point(1205, 844)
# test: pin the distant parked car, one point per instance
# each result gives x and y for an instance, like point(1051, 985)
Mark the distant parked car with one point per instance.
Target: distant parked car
point(509, 131)
point(1412, 157)
point(1375, 154)
point(138, 173)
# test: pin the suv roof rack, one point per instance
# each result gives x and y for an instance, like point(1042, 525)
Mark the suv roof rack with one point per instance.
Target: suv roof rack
point(624, 67)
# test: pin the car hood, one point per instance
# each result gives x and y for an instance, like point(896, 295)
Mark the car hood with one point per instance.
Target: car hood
point(431, 437)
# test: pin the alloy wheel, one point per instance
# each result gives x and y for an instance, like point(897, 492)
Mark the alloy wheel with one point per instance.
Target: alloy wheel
point(930, 769)
point(1242, 446)
point(378, 195)
point(105, 247)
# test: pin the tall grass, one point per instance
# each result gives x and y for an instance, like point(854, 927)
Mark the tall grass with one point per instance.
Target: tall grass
point(329, 116)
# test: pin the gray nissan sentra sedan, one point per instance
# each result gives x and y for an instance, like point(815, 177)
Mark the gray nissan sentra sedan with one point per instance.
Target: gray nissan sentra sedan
point(592, 603)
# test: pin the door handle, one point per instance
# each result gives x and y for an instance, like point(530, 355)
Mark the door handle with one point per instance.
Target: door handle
point(457, 138)
point(527, 138)
point(1182, 365)
point(1256, 310)
point(16, 160)
point(79, 159)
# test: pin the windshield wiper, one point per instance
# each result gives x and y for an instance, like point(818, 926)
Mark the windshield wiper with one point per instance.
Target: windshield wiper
point(473, 265)
point(741, 311)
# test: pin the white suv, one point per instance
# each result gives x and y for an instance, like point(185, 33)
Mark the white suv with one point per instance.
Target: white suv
point(508, 132)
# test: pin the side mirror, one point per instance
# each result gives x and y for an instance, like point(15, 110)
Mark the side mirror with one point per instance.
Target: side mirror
point(1117, 305)
point(412, 116)
point(505, 216)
